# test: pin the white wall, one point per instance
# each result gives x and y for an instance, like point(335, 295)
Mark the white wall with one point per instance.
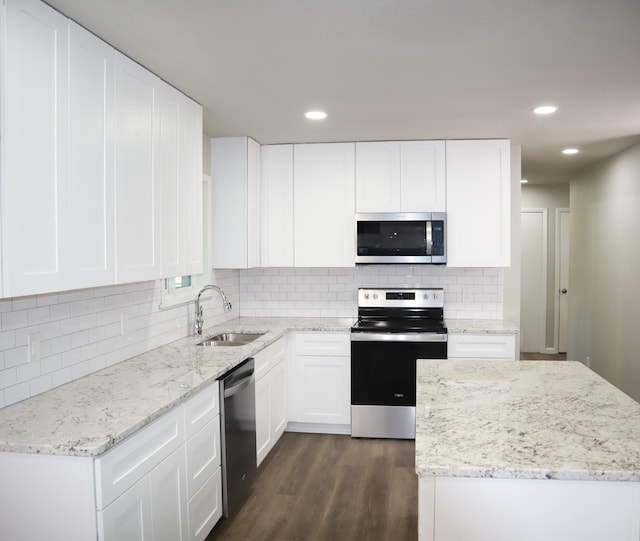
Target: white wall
point(551, 197)
point(604, 305)
point(80, 331)
point(332, 292)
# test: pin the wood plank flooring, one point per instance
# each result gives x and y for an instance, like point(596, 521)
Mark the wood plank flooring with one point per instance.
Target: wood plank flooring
point(317, 487)
point(543, 357)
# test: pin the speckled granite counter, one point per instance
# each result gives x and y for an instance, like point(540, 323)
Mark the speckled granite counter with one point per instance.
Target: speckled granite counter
point(481, 326)
point(88, 416)
point(524, 420)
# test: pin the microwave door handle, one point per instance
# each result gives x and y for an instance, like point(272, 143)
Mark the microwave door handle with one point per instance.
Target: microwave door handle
point(429, 237)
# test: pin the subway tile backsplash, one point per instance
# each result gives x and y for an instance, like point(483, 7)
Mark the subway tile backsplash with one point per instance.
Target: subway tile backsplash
point(470, 293)
point(81, 332)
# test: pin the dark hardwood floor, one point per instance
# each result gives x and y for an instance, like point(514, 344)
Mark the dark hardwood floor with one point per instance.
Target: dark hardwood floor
point(328, 487)
point(543, 357)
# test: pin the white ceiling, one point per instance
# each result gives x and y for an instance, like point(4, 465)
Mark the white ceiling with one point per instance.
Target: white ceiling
point(396, 69)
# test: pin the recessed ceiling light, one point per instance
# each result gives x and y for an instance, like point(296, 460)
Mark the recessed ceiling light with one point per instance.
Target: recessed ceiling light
point(545, 109)
point(315, 115)
point(570, 151)
point(523, 181)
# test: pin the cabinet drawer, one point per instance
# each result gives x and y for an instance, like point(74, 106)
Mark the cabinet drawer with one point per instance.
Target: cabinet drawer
point(270, 356)
point(323, 343)
point(129, 461)
point(482, 346)
point(203, 455)
point(201, 409)
point(205, 508)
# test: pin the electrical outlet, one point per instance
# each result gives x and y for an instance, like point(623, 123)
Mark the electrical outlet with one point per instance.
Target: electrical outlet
point(124, 322)
point(588, 360)
point(33, 347)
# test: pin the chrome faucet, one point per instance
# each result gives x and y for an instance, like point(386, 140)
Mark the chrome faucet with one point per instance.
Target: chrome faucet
point(197, 324)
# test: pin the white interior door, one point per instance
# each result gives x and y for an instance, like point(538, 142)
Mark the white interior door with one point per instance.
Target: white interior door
point(533, 293)
point(562, 276)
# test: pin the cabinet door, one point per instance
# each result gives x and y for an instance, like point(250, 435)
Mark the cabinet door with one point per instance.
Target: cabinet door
point(324, 390)
point(190, 167)
point(278, 400)
point(378, 177)
point(203, 455)
point(276, 211)
point(179, 175)
point(205, 508)
point(129, 517)
point(478, 203)
point(263, 418)
point(324, 205)
point(169, 180)
point(236, 202)
point(91, 181)
point(137, 194)
point(169, 521)
point(34, 150)
point(422, 174)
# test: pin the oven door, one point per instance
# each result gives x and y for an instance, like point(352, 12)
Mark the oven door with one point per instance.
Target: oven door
point(383, 366)
point(383, 381)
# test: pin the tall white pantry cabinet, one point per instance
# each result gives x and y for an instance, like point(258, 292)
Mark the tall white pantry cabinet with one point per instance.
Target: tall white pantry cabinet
point(81, 175)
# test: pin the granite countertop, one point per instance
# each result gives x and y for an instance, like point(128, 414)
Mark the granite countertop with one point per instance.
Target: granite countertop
point(88, 416)
point(481, 326)
point(524, 420)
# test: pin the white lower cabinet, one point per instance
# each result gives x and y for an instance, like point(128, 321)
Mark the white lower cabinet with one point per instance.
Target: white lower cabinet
point(153, 508)
point(271, 397)
point(143, 495)
point(321, 369)
point(163, 483)
point(481, 346)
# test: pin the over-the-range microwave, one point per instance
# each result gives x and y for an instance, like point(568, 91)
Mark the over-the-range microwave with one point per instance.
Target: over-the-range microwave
point(401, 237)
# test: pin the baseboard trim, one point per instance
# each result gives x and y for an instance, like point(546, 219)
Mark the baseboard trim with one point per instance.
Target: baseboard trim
point(318, 428)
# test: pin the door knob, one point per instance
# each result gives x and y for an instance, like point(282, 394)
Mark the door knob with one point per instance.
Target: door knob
point(563, 290)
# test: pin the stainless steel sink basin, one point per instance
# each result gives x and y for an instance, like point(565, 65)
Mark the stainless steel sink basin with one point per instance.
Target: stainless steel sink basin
point(231, 339)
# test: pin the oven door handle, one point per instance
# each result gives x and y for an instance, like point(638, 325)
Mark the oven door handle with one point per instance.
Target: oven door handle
point(397, 337)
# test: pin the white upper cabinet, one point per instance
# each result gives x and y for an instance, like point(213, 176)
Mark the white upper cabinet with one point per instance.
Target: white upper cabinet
point(324, 205)
point(235, 170)
point(34, 149)
point(91, 152)
point(276, 193)
point(479, 203)
point(179, 174)
point(137, 189)
point(190, 167)
point(400, 176)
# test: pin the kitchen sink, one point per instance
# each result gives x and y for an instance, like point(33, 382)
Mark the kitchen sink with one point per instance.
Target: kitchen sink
point(231, 339)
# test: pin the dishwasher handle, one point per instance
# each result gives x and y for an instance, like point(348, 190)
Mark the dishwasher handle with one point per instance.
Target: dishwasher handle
point(238, 384)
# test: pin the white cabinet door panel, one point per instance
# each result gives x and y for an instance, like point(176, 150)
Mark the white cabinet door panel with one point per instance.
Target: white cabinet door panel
point(278, 400)
point(422, 170)
point(205, 508)
point(276, 192)
point(478, 203)
point(137, 194)
point(324, 390)
point(190, 161)
point(324, 205)
point(91, 180)
point(129, 517)
point(169, 520)
point(34, 191)
point(203, 455)
point(378, 176)
point(264, 441)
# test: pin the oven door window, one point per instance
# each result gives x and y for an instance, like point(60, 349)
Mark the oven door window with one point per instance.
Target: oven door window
point(384, 373)
point(393, 238)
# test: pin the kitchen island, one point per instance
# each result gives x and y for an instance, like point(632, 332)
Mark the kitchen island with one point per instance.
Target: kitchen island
point(523, 451)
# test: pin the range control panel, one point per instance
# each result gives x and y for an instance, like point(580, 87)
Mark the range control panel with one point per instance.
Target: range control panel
point(401, 298)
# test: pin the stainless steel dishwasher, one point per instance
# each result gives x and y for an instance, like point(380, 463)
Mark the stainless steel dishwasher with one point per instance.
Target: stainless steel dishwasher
point(239, 464)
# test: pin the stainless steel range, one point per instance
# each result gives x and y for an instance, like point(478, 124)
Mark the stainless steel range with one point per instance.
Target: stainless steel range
point(394, 328)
